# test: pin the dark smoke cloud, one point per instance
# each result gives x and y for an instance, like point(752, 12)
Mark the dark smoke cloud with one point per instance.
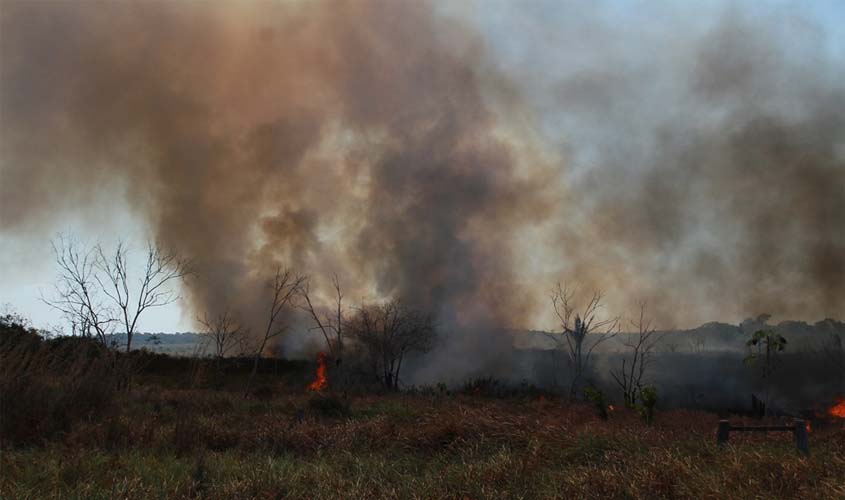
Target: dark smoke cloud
point(707, 156)
point(347, 137)
point(703, 169)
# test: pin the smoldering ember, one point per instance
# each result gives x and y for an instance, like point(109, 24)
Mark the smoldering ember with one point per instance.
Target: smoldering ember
point(422, 249)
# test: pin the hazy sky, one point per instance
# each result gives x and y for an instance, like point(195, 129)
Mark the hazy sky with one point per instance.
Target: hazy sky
point(544, 42)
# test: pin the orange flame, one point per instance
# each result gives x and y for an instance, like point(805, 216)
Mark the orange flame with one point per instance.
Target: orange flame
point(611, 408)
point(322, 381)
point(809, 427)
point(838, 410)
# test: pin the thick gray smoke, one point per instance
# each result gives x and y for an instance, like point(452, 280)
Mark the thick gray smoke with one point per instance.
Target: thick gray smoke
point(705, 154)
point(389, 144)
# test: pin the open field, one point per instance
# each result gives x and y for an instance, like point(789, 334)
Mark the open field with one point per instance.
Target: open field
point(82, 421)
point(424, 249)
point(196, 443)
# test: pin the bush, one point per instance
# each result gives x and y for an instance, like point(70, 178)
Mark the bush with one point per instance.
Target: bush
point(599, 400)
point(47, 386)
point(648, 395)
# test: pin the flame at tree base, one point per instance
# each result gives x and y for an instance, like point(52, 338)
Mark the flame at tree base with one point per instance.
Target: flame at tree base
point(322, 380)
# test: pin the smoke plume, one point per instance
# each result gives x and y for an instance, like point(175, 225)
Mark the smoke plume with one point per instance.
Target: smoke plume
point(388, 143)
point(704, 155)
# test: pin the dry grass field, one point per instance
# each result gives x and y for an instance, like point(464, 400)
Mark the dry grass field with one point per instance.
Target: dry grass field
point(215, 444)
point(73, 425)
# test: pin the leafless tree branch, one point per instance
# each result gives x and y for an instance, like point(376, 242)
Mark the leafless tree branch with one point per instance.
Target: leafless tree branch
point(640, 345)
point(284, 287)
point(388, 332)
point(582, 329)
point(223, 332)
point(328, 322)
point(95, 291)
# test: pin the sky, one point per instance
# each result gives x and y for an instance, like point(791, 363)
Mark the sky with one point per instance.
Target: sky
point(544, 42)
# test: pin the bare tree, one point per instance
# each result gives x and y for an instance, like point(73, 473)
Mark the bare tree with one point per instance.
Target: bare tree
point(76, 292)
point(640, 346)
point(95, 292)
point(160, 270)
point(388, 332)
point(223, 332)
point(284, 286)
point(581, 330)
point(329, 322)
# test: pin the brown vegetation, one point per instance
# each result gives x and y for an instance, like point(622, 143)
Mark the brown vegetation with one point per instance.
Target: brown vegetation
point(412, 446)
point(69, 430)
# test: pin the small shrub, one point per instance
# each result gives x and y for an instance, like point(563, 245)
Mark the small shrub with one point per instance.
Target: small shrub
point(598, 398)
point(648, 395)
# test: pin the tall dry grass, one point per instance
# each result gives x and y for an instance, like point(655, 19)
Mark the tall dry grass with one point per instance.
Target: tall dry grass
point(183, 443)
point(48, 386)
point(70, 431)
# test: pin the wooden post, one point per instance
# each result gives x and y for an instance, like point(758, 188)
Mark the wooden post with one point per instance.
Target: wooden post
point(724, 432)
point(801, 440)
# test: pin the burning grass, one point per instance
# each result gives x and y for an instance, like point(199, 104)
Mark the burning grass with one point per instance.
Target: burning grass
point(202, 443)
point(322, 381)
point(838, 410)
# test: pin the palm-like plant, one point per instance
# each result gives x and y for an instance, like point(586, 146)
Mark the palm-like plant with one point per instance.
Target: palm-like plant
point(768, 344)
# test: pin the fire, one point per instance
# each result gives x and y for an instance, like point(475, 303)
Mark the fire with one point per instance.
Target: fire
point(611, 408)
point(809, 427)
point(321, 381)
point(838, 410)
